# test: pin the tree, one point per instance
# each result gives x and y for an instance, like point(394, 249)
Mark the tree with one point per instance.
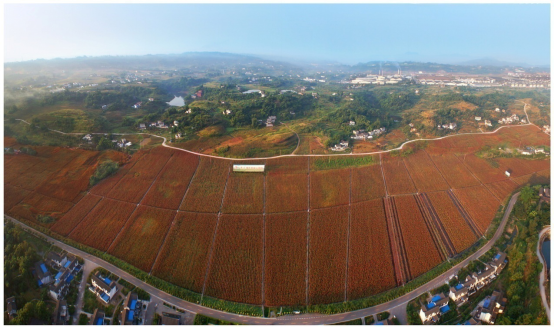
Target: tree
point(104, 144)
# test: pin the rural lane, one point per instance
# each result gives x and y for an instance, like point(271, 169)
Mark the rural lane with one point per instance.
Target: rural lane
point(543, 274)
point(311, 319)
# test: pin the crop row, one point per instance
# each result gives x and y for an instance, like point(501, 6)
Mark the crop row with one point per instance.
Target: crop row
point(453, 170)
point(479, 203)
point(397, 179)
point(424, 174)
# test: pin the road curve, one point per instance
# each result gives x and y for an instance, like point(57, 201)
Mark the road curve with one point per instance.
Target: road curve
point(543, 274)
point(312, 319)
point(307, 155)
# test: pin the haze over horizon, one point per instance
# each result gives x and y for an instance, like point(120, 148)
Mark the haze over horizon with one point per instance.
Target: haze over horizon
point(349, 34)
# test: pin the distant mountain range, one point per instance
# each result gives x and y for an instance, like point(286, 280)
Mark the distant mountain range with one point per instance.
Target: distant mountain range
point(221, 60)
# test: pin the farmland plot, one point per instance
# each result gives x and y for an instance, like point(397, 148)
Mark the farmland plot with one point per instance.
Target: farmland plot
point(288, 165)
point(244, 194)
point(456, 227)
point(12, 196)
point(370, 266)
point(520, 167)
point(36, 204)
point(329, 188)
point(141, 238)
point(421, 250)
point(170, 187)
point(184, 257)
point(424, 173)
point(502, 189)
point(454, 171)
point(100, 227)
point(479, 203)
point(483, 169)
point(397, 179)
point(206, 188)
point(327, 255)
point(106, 185)
point(541, 177)
point(285, 259)
point(235, 272)
point(140, 177)
point(73, 217)
point(285, 193)
point(367, 183)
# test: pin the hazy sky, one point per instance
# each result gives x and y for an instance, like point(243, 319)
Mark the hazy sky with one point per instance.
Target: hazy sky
point(344, 33)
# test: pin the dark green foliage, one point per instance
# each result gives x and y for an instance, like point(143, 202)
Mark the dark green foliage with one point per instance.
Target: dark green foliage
point(369, 320)
point(143, 295)
point(104, 170)
point(104, 144)
point(45, 219)
point(383, 316)
point(32, 310)
point(83, 319)
point(445, 288)
point(412, 309)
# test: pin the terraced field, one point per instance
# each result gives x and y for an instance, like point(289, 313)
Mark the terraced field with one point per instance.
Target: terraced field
point(303, 232)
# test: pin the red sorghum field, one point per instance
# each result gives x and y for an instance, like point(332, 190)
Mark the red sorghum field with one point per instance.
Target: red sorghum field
point(329, 188)
point(453, 170)
point(244, 194)
point(327, 255)
point(421, 251)
point(479, 203)
point(285, 193)
point(397, 179)
point(370, 266)
point(424, 174)
point(73, 217)
point(235, 272)
point(286, 259)
point(458, 230)
point(184, 257)
point(367, 183)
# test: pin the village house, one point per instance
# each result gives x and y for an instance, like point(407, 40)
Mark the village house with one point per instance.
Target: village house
point(189, 111)
point(435, 307)
point(177, 135)
point(477, 118)
point(226, 112)
point(104, 107)
point(88, 137)
point(270, 121)
point(498, 262)
point(497, 110)
point(42, 273)
point(507, 173)
point(199, 93)
point(124, 143)
point(459, 293)
point(131, 310)
point(546, 129)
point(142, 126)
point(60, 287)
point(492, 306)
point(137, 105)
point(56, 259)
point(488, 123)
point(352, 123)
point(472, 322)
point(97, 318)
point(150, 99)
point(175, 123)
point(103, 287)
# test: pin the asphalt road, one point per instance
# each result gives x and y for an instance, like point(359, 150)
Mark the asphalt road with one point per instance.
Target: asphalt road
point(311, 319)
point(543, 273)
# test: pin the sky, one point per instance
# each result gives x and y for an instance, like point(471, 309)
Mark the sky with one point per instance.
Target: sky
point(444, 33)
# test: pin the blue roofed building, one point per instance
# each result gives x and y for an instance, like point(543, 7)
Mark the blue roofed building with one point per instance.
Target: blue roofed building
point(459, 293)
point(132, 309)
point(103, 287)
point(42, 273)
point(492, 306)
point(430, 313)
point(97, 317)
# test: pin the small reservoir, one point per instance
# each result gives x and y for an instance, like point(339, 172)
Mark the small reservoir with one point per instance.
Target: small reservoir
point(177, 101)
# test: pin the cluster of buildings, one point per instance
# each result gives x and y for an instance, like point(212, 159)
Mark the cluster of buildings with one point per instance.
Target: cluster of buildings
point(437, 305)
point(488, 123)
point(451, 126)
point(378, 80)
point(137, 105)
point(343, 145)
point(270, 121)
point(529, 150)
point(365, 135)
point(546, 129)
point(197, 94)
point(511, 119)
point(58, 285)
point(123, 143)
point(488, 310)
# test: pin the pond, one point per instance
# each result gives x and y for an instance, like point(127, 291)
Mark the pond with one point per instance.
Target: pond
point(546, 252)
point(177, 101)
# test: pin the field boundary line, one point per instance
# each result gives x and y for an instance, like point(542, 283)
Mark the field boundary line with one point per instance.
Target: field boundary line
point(480, 181)
point(383, 173)
point(435, 165)
point(308, 240)
point(263, 242)
point(212, 246)
point(348, 237)
point(410, 175)
point(173, 221)
point(138, 204)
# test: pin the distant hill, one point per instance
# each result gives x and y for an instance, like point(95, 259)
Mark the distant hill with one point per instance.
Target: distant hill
point(493, 62)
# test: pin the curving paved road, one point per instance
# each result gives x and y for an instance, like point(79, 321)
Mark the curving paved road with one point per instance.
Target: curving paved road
point(543, 278)
point(311, 319)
